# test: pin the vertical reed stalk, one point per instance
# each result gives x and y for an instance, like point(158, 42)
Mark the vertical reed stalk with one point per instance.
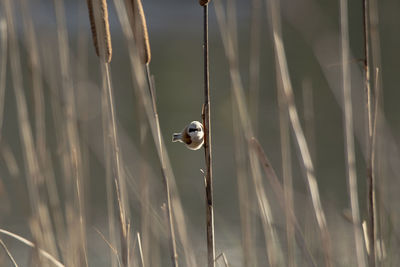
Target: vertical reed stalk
point(3, 68)
point(98, 15)
point(139, 240)
point(34, 177)
point(280, 57)
point(273, 249)
point(139, 79)
point(245, 200)
point(208, 146)
point(309, 117)
point(108, 173)
point(370, 169)
point(139, 28)
point(286, 172)
point(375, 64)
point(254, 64)
point(119, 174)
point(73, 167)
point(171, 228)
point(349, 135)
point(280, 194)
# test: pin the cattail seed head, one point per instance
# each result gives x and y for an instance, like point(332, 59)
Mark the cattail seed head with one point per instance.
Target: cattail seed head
point(138, 23)
point(204, 2)
point(98, 15)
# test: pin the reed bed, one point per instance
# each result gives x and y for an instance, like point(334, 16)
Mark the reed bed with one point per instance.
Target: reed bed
point(300, 166)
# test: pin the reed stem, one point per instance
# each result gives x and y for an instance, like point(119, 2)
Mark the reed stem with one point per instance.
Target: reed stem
point(207, 147)
point(370, 169)
point(172, 238)
point(349, 134)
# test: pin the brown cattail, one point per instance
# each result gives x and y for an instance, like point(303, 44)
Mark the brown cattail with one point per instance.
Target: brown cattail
point(138, 23)
point(98, 15)
point(204, 2)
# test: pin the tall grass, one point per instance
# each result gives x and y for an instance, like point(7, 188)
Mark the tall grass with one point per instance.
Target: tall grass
point(87, 178)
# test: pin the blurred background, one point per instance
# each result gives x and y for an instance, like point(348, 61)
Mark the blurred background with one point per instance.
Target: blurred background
point(311, 36)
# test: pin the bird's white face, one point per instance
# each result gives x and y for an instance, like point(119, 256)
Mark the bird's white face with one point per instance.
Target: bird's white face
point(195, 131)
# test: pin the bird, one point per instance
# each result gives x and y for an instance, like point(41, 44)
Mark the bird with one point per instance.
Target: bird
point(192, 136)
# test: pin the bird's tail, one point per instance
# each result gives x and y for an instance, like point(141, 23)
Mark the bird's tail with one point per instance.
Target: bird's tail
point(176, 137)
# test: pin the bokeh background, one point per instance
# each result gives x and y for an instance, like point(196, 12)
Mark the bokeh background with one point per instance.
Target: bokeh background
point(311, 35)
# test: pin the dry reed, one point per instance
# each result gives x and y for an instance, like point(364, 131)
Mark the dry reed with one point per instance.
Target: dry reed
point(139, 28)
point(282, 198)
point(349, 135)
point(273, 249)
point(223, 257)
point(280, 57)
point(286, 156)
point(74, 184)
point(254, 61)
point(98, 15)
point(206, 115)
point(3, 67)
point(32, 245)
point(9, 255)
point(146, 97)
point(371, 201)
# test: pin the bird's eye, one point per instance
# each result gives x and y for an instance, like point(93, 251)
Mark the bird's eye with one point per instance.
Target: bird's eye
point(192, 130)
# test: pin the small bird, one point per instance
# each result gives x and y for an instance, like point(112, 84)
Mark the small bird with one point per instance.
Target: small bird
point(192, 136)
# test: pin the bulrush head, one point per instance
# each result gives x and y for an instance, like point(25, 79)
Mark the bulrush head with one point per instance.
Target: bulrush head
point(98, 15)
point(204, 2)
point(138, 23)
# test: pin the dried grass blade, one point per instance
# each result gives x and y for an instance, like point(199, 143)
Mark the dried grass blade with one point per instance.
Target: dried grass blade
point(273, 9)
point(10, 256)
point(273, 248)
point(349, 134)
point(32, 245)
point(3, 67)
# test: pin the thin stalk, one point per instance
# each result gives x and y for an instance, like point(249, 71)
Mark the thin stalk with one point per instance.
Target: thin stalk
point(113, 250)
point(370, 171)
point(273, 250)
point(245, 200)
point(140, 33)
point(309, 117)
point(286, 172)
point(280, 57)
point(32, 245)
point(254, 64)
point(139, 240)
point(207, 147)
point(349, 134)
point(73, 163)
point(108, 174)
point(3, 67)
point(120, 177)
point(223, 257)
point(98, 15)
point(139, 79)
point(280, 194)
point(171, 228)
point(375, 63)
point(10, 256)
